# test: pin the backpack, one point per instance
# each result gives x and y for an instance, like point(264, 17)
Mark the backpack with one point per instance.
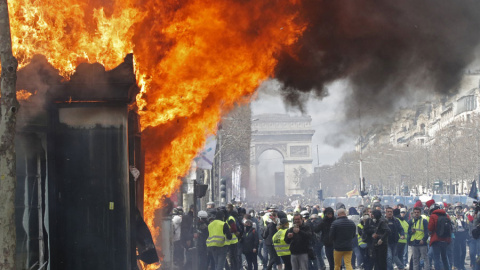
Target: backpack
point(444, 226)
point(476, 232)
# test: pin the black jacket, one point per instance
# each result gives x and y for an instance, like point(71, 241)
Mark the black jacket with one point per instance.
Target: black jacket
point(269, 232)
point(300, 242)
point(396, 230)
point(250, 241)
point(342, 233)
point(202, 230)
point(324, 228)
point(380, 228)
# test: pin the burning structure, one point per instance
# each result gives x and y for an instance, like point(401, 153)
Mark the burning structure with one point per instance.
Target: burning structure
point(76, 200)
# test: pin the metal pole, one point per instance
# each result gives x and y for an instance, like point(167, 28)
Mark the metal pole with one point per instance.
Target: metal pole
point(428, 173)
point(41, 244)
point(450, 165)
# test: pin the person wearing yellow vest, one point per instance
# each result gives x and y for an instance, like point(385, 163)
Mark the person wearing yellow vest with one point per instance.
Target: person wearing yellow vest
point(361, 242)
point(402, 242)
point(281, 247)
point(218, 234)
point(232, 252)
point(417, 239)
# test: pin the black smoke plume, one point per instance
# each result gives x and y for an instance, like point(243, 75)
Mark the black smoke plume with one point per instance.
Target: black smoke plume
point(385, 49)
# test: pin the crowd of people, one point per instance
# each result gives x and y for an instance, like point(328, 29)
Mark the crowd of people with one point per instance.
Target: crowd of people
point(430, 235)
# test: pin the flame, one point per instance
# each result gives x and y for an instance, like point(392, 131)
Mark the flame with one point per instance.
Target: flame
point(23, 95)
point(69, 33)
point(194, 60)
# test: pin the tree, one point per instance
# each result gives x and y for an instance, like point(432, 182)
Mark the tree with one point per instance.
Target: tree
point(8, 111)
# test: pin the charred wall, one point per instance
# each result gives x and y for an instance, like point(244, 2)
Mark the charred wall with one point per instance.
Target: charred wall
point(76, 141)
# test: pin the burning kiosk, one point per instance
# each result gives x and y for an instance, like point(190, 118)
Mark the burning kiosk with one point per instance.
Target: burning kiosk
point(76, 200)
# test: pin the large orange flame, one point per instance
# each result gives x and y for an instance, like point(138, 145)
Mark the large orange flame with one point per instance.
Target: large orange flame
point(194, 60)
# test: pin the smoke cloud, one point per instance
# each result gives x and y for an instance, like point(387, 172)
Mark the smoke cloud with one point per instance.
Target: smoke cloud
point(384, 48)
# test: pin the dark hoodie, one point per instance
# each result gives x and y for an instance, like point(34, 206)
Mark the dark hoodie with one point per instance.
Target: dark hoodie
point(324, 227)
point(380, 227)
point(352, 211)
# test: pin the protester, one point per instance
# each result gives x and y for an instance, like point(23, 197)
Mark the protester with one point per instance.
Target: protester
point(268, 235)
point(218, 235)
point(396, 234)
point(202, 236)
point(460, 243)
point(342, 234)
point(298, 238)
point(281, 247)
point(324, 228)
point(440, 230)
point(362, 244)
point(402, 248)
point(178, 248)
point(250, 245)
point(376, 231)
point(232, 253)
point(417, 231)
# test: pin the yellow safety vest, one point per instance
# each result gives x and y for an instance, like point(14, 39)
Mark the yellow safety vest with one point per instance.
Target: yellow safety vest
point(234, 239)
point(426, 217)
point(404, 224)
point(419, 230)
point(282, 248)
point(216, 237)
point(360, 240)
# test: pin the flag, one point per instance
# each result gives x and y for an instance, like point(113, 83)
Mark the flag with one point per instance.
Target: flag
point(205, 157)
point(473, 190)
point(352, 193)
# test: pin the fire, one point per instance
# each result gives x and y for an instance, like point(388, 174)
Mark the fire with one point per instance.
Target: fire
point(194, 61)
point(23, 95)
point(69, 33)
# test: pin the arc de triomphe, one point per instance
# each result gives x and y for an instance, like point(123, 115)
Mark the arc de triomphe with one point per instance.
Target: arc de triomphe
point(291, 136)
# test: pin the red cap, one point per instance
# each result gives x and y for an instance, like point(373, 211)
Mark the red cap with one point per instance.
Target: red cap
point(445, 205)
point(429, 203)
point(418, 204)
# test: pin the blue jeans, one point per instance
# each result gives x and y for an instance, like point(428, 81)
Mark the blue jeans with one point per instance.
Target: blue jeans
point(459, 252)
point(450, 252)
point(264, 255)
point(317, 249)
point(477, 266)
point(358, 255)
point(472, 248)
point(392, 257)
point(440, 258)
point(219, 256)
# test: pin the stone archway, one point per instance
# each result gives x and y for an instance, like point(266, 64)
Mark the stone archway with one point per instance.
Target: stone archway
point(291, 136)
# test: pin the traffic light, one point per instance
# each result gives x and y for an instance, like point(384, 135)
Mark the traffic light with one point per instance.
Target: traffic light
point(200, 190)
point(438, 185)
point(223, 189)
point(320, 194)
point(362, 187)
